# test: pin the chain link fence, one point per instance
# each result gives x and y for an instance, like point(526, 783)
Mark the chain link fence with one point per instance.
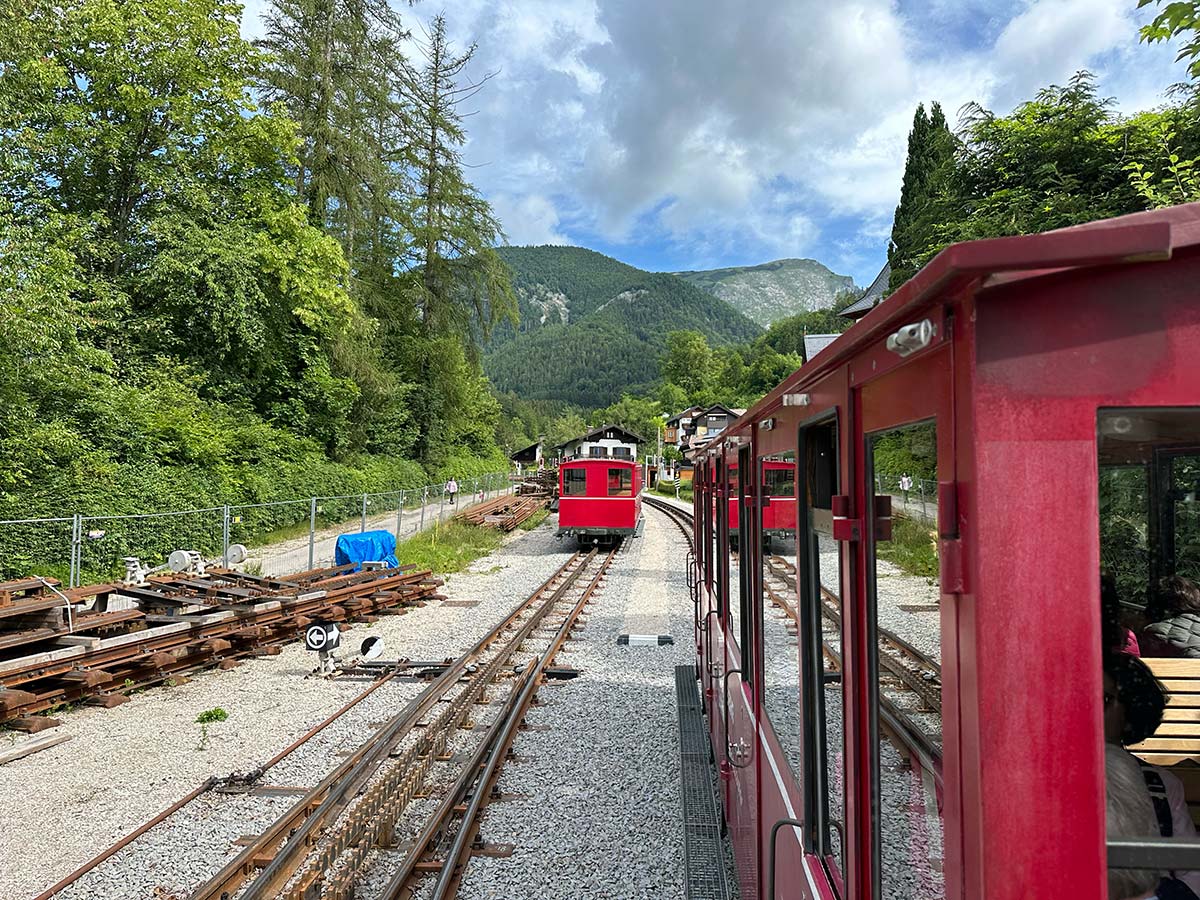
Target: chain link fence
point(281, 537)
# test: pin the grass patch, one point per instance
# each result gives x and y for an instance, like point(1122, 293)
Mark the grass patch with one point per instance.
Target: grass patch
point(448, 546)
point(535, 520)
point(913, 547)
point(667, 489)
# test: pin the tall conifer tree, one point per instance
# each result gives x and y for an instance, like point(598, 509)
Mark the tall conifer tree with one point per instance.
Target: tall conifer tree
point(930, 153)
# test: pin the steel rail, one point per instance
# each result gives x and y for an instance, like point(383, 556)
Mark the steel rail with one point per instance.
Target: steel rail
point(459, 853)
point(681, 517)
point(346, 846)
point(296, 827)
point(206, 786)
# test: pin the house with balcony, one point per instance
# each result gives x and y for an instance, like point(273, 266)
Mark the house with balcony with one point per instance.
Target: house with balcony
point(605, 442)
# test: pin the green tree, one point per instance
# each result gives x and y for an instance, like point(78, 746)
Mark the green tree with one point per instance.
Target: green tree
point(930, 156)
point(688, 362)
point(1178, 17)
point(128, 132)
point(461, 281)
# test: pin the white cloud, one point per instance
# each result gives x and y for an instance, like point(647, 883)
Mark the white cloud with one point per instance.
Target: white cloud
point(735, 130)
point(528, 219)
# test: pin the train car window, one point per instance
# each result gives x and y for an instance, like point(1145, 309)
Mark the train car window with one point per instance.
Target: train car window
point(705, 507)
point(620, 482)
point(574, 482)
point(781, 657)
point(1149, 511)
point(817, 576)
point(735, 524)
point(905, 665)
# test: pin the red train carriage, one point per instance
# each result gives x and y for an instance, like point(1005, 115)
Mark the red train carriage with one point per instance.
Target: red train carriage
point(599, 498)
point(942, 734)
point(779, 499)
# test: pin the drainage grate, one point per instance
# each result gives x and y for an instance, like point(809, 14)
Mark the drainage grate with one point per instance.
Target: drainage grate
point(703, 849)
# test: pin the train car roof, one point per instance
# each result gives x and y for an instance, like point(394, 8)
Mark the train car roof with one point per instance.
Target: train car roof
point(992, 262)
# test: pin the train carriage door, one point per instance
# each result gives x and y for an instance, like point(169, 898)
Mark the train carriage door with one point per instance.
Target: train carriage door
point(740, 688)
point(904, 634)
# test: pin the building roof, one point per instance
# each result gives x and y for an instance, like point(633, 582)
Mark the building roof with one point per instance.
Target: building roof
point(721, 407)
point(627, 436)
point(815, 343)
point(871, 296)
point(690, 411)
point(524, 453)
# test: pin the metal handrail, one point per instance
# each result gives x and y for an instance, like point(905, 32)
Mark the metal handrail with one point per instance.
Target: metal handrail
point(782, 823)
point(725, 715)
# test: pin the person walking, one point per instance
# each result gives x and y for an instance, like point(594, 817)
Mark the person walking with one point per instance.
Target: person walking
point(451, 488)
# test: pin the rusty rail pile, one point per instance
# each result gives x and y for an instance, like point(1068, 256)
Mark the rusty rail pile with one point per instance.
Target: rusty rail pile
point(543, 482)
point(98, 642)
point(505, 513)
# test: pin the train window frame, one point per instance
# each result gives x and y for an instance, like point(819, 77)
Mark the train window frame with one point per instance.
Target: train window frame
point(816, 770)
point(871, 607)
point(747, 553)
point(1168, 854)
point(624, 484)
point(569, 478)
point(720, 547)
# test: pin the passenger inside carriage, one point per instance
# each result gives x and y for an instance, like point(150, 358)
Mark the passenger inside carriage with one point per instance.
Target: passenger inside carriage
point(1175, 620)
point(1129, 816)
point(1134, 701)
point(1117, 635)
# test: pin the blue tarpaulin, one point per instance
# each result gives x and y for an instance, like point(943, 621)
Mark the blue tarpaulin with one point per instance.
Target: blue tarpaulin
point(366, 546)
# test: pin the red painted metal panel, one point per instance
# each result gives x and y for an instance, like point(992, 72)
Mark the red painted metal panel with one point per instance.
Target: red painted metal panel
point(1049, 355)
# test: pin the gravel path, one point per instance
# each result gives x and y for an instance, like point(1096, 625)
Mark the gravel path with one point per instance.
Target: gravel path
point(286, 557)
point(125, 765)
point(597, 808)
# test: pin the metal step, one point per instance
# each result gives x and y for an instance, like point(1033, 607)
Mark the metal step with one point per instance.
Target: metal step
point(704, 853)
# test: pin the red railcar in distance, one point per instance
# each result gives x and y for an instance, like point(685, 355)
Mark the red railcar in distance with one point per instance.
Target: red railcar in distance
point(599, 498)
point(778, 499)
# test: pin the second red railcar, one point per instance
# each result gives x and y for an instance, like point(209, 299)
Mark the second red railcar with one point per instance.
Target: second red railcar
point(599, 498)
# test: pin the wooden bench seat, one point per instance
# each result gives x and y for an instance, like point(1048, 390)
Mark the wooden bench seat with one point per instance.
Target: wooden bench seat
point(1176, 743)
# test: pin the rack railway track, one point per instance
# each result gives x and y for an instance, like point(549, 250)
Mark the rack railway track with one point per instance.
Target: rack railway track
point(360, 820)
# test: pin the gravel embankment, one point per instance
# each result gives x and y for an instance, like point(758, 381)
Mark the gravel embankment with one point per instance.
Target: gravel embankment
point(596, 809)
point(125, 765)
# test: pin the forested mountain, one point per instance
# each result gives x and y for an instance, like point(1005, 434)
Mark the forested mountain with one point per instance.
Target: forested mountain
point(592, 327)
point(774, 290)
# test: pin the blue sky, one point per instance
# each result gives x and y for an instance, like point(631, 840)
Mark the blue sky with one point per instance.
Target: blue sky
point(690, 134)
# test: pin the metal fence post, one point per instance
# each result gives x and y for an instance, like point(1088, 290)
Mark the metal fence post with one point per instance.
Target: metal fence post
point(312, 530)
point(424, 503)
point(399, 515)
point(76, 547)
point(364, 514)
point(225, 536)
point(441, 504)
point(921, 488)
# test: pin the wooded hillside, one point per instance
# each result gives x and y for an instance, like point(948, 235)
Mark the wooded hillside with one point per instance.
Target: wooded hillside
point(605, 325)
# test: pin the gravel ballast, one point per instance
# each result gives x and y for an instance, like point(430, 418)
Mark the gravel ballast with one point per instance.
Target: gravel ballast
point(125, 765)
point(595, 811)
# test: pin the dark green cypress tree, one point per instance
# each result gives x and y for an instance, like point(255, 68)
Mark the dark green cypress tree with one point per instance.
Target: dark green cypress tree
point(930, 152)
